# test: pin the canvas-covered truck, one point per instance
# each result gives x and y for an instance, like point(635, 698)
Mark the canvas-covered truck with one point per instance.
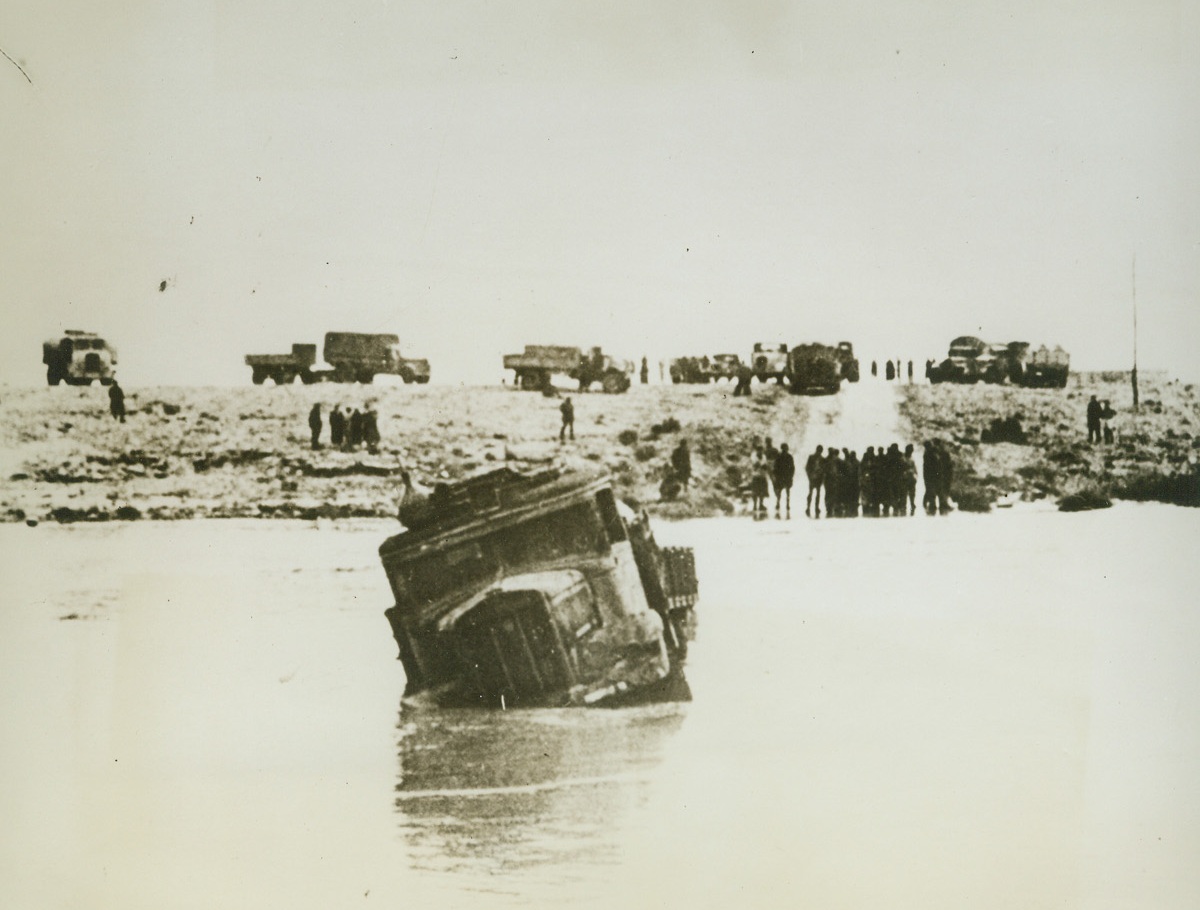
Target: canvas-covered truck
point(349, 356)
point(534, 368)
point(79, 358)
point(1047, 368)
point(814, 369)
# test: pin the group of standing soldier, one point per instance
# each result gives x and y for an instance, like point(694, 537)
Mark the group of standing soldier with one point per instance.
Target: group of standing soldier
point(346, 430)
point(771, 468)
point(883, 482)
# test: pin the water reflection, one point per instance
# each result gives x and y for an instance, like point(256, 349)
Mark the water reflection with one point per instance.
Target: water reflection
point(493, 791)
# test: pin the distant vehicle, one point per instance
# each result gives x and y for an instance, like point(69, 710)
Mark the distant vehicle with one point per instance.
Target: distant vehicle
point(351, 357)
point(534, 590)
point(815, 369)
point(79, 358)
point(972, 360)
point(769, 361)
point(534, 367)
point(705, 369)
point(845, 356)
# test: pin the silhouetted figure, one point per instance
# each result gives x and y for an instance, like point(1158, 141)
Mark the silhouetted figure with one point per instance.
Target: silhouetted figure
point(831, 476)
point(938, 471)
point(116, 401)
point(813, 470)
point(910, 480)
point(567, 410)
point(337, 426)
point(1106, 414)
point(852, 484)
point(866, 481)
point(744, 375)
point(1094, 410)
point(890, 371)
point(370, 429)
point(910, 371)
point(874, 368)
point(784, 472)
point(354, 430)
point(645, 374)
point(314, 425)
point(681, 464)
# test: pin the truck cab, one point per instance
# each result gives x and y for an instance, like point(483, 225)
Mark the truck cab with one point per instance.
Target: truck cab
point(79, 358)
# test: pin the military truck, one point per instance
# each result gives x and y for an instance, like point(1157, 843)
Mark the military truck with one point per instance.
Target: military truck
point(769, 361)
point(534, 367)
point(351, 357)
point(815, 369)
point(704, 368)
point(972, 360)
point(79, 358)
point(528, 590)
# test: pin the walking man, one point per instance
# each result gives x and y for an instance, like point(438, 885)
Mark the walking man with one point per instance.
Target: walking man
point(116, 401)
point(314, 425)
point(568, 419)
point(785, 473)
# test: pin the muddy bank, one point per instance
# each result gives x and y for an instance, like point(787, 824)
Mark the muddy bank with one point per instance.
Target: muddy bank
point(245, 452)
point(1038, 445)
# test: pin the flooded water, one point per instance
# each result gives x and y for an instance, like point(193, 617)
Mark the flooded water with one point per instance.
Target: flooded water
point(972, 711)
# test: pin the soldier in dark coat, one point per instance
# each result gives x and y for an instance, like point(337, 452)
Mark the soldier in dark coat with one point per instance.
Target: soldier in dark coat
point(645, 374)
point(813, 470)
point(1094, 410)
point(784, 472)
point(116, 401)
point(568, 419)
point(890, 371)
point(314, 425)
point(681, 464)
point(853, 489)
point(744, 375)
point(337, 426)
point(354, 433)
point(866, 481)
point(831, 477)
point(370, 429)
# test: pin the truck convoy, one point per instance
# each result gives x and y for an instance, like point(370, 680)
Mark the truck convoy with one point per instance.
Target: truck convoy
point(79, 358)
point(705, 369)
point(818, 369)
point(769, 361)
point(971, 360)
point(351, 357)
point(534, 367)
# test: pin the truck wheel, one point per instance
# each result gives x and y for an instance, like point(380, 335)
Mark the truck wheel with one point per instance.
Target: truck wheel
point(407, 376)
point(106, 380)
point(53, 376)
point(422, 380)
point(307, 378)
point(612, 383)
point(258, 377)
point(366, 377)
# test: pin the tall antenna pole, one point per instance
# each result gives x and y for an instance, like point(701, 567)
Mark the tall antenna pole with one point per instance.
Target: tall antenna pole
point(1133, 375)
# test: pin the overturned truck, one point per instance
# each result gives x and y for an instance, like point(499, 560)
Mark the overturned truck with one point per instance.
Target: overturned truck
point(536, 590)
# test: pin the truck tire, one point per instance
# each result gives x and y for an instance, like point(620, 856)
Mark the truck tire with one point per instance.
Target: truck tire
point(407, 376)
point(366, 377)
point(258, 377)
point(422, 380)
point(106, 380)
point(53, 376)
point(614, 383)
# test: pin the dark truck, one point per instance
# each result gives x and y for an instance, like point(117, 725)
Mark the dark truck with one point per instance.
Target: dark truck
point(79, 358)
point(536, 590)
point(534, 367)
point(818, 369)
point(351, 357)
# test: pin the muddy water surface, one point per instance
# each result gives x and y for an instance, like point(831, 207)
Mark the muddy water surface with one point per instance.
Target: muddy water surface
point(971, 711)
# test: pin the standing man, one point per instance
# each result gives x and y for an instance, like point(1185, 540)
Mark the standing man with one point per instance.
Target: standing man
point(1094, 410)
point(314, 425)
point(889, 371)
point(785, 473)
point(116, 401)
point(812, 470)
point(337, 426)
point(744, 375)
point(645, 375)
point(681, 463)
point(910, 371)
point(568, 419)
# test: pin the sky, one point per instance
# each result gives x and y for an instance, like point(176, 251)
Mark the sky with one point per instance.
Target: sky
point(661, 179)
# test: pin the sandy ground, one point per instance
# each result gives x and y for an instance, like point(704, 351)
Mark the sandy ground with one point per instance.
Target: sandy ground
point(1153, 456)
point(245, 452)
